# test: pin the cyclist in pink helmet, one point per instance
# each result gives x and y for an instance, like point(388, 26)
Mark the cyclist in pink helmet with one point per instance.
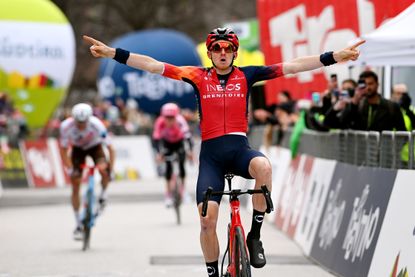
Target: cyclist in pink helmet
point(170, 110)
point(222, 94)
point(171, 134)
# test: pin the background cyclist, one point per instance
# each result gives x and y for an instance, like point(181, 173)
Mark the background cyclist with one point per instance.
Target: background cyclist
point(222, 93)
point(83, 135)
point(171, 135)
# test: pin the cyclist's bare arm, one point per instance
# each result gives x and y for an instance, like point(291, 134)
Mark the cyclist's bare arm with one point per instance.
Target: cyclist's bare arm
point(306, 63)
point(65, 158)
point(111, 153)
point(100, 50)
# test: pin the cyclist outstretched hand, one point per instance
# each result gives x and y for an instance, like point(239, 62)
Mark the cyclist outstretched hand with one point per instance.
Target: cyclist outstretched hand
point(98, 48)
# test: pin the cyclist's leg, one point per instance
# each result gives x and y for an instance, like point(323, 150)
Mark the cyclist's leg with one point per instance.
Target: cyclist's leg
point(210, 174)
point(77, 158)
point(102, 164)
point(253, 164)
point(182, 158)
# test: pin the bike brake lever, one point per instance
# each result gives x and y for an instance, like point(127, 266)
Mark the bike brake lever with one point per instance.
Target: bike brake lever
point(268, 200)
point(205, 201)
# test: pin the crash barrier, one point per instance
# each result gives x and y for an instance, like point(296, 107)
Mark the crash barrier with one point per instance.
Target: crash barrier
point(353, 220)
point(388, 149)
point(38, 163)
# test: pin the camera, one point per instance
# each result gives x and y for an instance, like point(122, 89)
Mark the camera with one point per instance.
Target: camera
point(361, 84)
point(344, 94)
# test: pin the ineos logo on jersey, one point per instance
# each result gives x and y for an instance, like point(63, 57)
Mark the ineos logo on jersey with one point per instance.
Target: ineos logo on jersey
point(228, 88)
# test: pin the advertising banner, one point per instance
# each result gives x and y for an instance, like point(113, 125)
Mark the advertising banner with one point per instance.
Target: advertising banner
point(151, 91)
point(294, 28)
point(12, 169)
point(134, 157)
point(315, 197)
point(395, 251)
point(352, 218)
point(39, 163)
point(293, 190)
point(37, 57)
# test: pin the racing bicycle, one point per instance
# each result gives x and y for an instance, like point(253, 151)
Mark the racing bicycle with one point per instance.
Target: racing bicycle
point(236, 249)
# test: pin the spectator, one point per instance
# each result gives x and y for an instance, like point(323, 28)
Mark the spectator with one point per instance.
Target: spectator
point(135, 120)
point(280, 116)
point(367, 110)
point(401, 96)
point(270, 113)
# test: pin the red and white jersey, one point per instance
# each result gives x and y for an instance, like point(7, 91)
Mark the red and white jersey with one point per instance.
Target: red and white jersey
point(175, 133)
point(95, 133)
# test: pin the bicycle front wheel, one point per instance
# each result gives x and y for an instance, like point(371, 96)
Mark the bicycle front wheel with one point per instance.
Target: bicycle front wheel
point(242, 267)
point(87, 222)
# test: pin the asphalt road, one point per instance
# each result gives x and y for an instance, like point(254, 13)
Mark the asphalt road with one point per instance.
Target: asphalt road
point(136, 236)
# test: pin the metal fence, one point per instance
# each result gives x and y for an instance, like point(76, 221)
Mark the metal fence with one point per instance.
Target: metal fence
point(388, 149)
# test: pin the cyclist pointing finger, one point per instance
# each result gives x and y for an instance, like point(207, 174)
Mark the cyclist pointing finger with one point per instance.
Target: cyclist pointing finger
point(222, 93)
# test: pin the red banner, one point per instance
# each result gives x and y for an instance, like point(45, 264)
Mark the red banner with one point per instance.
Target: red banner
point(293, 28)
point(39, 163)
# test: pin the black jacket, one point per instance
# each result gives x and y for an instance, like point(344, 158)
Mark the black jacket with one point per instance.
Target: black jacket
point(384, 116)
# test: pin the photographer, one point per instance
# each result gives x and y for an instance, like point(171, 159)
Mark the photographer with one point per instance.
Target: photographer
point(367, 110)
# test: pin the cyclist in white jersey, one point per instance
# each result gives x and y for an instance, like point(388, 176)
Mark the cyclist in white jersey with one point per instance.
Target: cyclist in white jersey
point(85, 135)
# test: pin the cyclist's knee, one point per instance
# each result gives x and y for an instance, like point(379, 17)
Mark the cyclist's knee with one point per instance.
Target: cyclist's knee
point(260, 166)
point(208, 224)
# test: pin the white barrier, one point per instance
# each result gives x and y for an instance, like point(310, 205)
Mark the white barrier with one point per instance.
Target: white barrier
point(134, 157)
point(355, 221)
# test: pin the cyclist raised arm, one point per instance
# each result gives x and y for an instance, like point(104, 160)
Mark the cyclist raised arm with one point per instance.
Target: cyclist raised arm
point(222, 94)
point(87, 136)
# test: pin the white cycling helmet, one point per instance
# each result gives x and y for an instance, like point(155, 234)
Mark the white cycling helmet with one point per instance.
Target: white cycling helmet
point(81, 112)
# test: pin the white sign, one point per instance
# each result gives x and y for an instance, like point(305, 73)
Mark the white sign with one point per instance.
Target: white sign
point(395, 248)
point(134, 155)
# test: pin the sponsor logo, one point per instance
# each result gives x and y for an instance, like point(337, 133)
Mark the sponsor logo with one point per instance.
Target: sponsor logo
point(219, 88)
point(332, 219)
point(211, 270)
point(148, 85)
point(362, 227)
point(221, 95)
point(34, 50)
point(40, 164)
point(259, 218)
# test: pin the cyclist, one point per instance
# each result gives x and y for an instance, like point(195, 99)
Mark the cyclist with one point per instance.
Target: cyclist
point(171, 135)
point(222, 94)
point(86, 135)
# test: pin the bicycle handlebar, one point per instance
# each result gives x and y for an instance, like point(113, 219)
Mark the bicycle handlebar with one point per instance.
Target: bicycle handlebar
point(236, 192)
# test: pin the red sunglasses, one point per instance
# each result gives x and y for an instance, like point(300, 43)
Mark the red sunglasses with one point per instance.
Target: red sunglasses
point(217, 48)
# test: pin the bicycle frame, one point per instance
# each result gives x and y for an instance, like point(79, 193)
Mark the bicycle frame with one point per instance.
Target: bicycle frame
point(234, 238)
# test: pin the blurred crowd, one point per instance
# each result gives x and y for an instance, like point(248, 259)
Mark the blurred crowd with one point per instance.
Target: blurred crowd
point(353, 104)
point(13, 125)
